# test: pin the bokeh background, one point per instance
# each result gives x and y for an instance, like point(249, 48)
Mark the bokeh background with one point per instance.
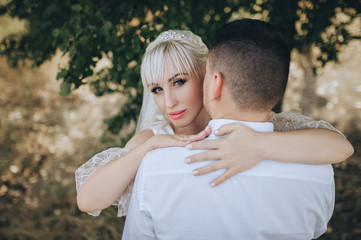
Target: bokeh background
point(44, 137)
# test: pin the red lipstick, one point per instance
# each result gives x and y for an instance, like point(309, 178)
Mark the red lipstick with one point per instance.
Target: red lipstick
point(177, 114)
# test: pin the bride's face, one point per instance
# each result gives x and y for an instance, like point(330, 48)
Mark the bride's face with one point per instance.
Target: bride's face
point(179, 96)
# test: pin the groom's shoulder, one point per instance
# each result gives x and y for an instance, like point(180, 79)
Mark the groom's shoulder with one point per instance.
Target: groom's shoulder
point(166, 150)
point(286, 170)
point(167, 159)
point(162, 154)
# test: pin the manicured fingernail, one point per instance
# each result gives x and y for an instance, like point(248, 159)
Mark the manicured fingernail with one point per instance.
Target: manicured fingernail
point(188, 141)
point(212, 184)
point(215, 131)
point(189, 146)
point(187, 160)
point(195, 172)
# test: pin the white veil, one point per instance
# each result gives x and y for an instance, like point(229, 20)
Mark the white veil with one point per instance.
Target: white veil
point(150, 115)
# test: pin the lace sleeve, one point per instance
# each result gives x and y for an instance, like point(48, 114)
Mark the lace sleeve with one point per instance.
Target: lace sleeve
point(97, 161)
point(287, 121)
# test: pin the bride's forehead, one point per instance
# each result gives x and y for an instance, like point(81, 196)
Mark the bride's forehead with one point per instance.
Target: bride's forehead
point(167, 69)
point(172, 70)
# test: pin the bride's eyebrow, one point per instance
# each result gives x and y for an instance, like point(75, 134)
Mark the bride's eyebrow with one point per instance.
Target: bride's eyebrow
point(170, 79)
point(153, 85)
point(176, 75)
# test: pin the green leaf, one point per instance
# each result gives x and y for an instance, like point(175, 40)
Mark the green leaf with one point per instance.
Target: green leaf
point(3, 10)
point(61, 74)
point(56, 32)
point(65, 88)
point(76, 8)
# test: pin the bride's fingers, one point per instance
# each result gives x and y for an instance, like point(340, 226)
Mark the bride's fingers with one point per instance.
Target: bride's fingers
point(225, 176)
point(214, 167)
point(208, 168)
point(201, 135)
point(207, 144)
point(208, 130)
point(203, 156)
point(167, 140)
point(228, 128)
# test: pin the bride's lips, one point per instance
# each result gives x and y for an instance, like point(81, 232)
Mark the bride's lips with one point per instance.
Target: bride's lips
point(177, 114)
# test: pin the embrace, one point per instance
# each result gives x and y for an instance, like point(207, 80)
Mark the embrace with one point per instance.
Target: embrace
point(210, 160)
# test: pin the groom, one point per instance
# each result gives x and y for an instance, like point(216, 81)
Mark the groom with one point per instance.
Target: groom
point(246, 75)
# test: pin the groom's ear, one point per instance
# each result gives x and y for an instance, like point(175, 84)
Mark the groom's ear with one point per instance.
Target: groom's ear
point(218, 83)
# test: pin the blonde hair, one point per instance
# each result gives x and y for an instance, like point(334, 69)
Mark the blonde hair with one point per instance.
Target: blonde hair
point(182, 48)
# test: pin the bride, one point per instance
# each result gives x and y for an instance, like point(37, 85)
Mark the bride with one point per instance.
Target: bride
point(175, 61)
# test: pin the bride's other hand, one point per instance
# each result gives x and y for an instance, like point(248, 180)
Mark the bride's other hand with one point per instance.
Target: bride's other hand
point(240, 150)
point(177, 140)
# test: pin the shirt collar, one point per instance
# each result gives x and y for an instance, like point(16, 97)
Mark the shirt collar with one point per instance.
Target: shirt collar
point(257, 126)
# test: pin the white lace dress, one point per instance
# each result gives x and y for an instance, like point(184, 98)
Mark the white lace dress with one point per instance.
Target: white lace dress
point(104, 157)
point(282, 122)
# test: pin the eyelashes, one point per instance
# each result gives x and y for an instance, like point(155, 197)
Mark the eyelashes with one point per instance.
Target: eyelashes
point(176, 83)
point(156, 90)
point(179, 82)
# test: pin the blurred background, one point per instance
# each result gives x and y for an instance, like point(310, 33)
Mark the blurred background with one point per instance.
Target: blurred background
point(69, 88)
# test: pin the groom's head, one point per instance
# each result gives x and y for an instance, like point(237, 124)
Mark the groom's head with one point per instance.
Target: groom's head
point(247, 68)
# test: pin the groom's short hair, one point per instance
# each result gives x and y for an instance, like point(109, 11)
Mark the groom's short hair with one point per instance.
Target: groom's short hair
point(253, 58)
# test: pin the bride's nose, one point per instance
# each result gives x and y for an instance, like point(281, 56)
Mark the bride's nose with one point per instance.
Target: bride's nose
point(170, 100)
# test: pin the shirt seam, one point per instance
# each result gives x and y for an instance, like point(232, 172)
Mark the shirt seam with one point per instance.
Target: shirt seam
point(243, 174)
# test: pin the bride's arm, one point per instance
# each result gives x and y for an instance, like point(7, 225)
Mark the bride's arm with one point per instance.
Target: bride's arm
point(100, 184)
point(108, 182)
point(306, 140)
point(244, 148)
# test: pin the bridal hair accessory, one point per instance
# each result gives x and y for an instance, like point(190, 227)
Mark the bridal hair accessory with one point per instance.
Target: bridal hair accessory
point(171, 34)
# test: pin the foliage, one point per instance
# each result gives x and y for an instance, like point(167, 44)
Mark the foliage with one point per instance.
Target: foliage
point(88, 31)
point(322, 23)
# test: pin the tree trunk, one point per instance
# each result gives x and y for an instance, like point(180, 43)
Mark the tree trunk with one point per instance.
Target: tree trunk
point(308, 95)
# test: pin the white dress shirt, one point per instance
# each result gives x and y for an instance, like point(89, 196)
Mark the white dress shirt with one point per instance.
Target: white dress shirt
point(273, 200)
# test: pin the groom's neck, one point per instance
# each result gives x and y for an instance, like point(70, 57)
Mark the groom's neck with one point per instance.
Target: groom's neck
point(224, 107)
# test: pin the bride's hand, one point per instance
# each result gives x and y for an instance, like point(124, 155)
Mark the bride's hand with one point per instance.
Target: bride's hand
point(240, 150)
point(177, 140)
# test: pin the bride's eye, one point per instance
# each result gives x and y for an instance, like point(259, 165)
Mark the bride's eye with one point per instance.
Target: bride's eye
point(156, 90)
point(179, 82)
